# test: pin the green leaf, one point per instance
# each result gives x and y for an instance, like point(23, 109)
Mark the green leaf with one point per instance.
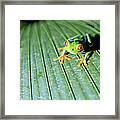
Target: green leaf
point(41, 78)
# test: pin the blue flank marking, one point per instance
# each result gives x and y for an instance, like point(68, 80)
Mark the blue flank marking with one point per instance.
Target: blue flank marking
point(83, 52)
point(71, 40)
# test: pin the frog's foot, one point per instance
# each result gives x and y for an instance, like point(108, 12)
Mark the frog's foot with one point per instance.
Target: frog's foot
point(62, 58)
point(82, 61)
point(60, 49)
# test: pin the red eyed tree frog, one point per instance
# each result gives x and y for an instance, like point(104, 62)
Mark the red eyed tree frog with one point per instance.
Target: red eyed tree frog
point(85, 44)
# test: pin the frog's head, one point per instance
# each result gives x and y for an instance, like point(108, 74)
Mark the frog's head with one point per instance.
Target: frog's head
point(73, 46)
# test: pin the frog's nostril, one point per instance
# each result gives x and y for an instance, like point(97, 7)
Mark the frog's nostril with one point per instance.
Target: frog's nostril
point(72, 49)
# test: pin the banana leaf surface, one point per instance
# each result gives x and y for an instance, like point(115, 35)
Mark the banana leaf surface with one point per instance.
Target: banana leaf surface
point(42, 78)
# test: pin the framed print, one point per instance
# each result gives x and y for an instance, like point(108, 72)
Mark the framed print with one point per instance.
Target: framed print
point(59, 59)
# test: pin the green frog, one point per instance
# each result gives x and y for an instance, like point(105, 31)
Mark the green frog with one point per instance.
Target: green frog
point(80, 44)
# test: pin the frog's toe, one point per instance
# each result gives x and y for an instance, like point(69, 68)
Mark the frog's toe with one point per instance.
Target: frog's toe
point(60, 49)
point(61, 59)
point(82, 61)
point(85, 63)
point(68, 58)
point(54, 59)
point(78, 65)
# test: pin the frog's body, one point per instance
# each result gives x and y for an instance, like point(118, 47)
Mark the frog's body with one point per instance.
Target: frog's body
point(86, 45)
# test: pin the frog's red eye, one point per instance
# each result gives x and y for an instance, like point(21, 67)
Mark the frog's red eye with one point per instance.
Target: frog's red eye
point(66, 43)
point(80, 47)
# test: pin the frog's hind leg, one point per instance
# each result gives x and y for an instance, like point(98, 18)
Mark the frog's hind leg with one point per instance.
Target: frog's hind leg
point(82, 60)
point(88, 55)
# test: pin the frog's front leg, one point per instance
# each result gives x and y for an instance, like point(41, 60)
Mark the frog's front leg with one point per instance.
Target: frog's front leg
point(64, 55)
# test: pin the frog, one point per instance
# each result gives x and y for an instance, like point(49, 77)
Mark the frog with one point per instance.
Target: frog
point(85, 45)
